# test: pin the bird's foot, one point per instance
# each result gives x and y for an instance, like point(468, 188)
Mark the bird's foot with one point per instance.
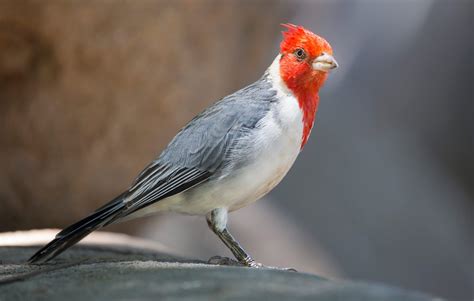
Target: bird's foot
point(218, 260)
point(257, 265)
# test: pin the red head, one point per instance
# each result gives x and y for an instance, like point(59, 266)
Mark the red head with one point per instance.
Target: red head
point(305, 61)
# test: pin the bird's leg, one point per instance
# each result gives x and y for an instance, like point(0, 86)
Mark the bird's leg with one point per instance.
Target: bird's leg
point(217, 221)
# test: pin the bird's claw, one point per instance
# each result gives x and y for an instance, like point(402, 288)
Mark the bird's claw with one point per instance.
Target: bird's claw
point(218, 260)
point(254, 264)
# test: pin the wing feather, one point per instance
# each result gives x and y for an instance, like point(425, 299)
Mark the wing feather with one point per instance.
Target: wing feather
point(204, 147)
point(148, 190)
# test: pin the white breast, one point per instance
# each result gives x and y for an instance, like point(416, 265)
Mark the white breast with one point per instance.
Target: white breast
point(280, 143)
point(277, 151)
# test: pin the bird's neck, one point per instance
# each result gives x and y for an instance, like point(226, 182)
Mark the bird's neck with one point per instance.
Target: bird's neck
point(305, 91)
point(308, 102)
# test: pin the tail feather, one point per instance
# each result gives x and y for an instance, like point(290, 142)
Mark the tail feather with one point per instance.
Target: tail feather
point(74, 233)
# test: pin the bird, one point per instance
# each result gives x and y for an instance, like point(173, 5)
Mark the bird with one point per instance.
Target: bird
point(228, 156)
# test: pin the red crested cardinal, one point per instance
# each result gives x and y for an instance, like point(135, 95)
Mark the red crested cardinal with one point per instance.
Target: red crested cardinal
point(231, 154)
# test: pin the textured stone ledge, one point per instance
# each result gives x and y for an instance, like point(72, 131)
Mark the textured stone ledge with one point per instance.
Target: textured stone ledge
point(139, 270)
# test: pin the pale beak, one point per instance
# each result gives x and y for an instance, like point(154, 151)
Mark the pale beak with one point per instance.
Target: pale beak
point(324, 62)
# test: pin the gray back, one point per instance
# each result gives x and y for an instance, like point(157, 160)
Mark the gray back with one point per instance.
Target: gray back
point(208, 140)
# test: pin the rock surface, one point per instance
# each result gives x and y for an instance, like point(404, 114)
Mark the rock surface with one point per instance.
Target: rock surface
point(133, 272)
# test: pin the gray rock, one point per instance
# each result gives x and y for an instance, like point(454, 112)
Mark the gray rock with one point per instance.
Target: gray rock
point(108, 272)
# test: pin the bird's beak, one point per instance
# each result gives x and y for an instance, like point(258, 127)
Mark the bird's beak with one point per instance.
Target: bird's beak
point(324, 62)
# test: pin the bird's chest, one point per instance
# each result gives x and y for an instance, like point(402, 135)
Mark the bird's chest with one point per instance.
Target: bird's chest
point(275, 147)
point(255, 167)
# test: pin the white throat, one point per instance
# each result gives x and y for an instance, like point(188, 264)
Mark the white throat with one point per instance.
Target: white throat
point(275, 78)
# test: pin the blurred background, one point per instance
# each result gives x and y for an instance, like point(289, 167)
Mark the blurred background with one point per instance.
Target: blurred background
point(384, 191)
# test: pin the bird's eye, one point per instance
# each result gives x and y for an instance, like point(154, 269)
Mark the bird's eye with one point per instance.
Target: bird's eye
point(300, 54)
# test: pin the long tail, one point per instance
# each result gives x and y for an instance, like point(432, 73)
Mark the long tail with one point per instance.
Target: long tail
point(74, 233)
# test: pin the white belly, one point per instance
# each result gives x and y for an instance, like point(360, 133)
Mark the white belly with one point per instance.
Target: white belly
point(245, 185)
point(275, 151)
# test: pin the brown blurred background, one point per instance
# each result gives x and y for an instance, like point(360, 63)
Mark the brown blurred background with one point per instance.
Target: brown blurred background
point(91, 91)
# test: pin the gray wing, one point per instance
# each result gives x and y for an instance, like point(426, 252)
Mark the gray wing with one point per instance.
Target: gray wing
point(203, 146)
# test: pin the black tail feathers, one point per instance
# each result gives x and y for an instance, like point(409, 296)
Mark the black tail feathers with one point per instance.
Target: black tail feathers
point(74, 233)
